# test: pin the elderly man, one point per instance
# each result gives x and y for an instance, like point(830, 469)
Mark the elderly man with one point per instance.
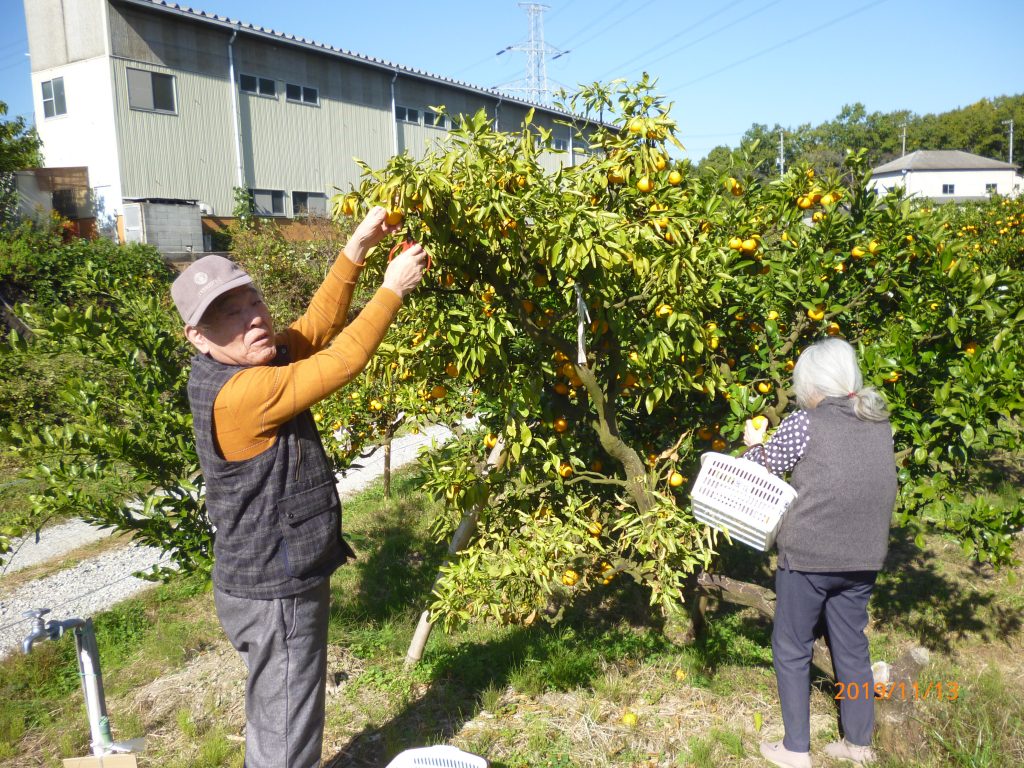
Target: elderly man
point(270, 489)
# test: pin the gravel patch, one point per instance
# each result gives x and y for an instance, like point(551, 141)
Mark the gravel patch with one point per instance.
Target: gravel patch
point(96, 584)
point(52, 543)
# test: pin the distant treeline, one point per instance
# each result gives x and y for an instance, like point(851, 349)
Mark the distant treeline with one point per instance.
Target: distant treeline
point(979, 128)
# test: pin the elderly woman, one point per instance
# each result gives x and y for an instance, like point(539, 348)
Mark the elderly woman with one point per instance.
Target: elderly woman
point(832, 542)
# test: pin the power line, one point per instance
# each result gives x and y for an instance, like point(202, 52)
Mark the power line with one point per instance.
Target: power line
point(782, 44)
point(673, 37)
point(557, 11)
point(631, 12)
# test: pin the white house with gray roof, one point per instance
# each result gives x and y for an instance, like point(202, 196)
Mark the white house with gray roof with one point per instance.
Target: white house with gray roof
point(167, 104)
point(946, 175)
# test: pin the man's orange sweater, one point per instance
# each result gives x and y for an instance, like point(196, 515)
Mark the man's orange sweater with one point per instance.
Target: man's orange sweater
point(258, 400)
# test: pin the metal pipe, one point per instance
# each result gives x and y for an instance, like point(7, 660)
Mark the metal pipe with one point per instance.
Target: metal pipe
point(235, 113)
point(394, 111)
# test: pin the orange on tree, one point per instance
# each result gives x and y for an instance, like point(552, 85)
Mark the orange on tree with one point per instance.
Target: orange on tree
point(490, 440)
point(764, 387)
point(675, 178)
point(594, 528)
point(817, 313)
point(676, 479)
point(570, 577)
point(760, 423)
point(394, 216)
point(565, 470)
point(452, 370)
point(560, 424)
point(644, 184)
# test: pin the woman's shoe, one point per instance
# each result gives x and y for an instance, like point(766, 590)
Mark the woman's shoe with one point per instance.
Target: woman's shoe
point(776, 754)
point(844, 750)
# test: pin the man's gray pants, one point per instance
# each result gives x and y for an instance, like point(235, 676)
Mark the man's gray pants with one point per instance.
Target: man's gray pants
point(283, 643)
point(800, 600)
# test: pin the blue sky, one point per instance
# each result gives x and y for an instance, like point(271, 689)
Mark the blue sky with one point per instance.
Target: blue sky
point(725, 64)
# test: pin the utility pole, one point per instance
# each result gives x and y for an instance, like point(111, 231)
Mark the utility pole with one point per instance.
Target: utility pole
point(782, 154)
point(537, 51)
point(1010, 123)
point(904, 151)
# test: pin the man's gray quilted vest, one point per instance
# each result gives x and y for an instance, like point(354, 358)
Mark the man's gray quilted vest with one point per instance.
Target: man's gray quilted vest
point(277, 515)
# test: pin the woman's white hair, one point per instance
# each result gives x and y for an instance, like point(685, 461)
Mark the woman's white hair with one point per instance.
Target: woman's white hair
point(828, 368)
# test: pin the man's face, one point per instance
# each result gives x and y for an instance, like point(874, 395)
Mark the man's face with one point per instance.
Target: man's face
point(236, 329)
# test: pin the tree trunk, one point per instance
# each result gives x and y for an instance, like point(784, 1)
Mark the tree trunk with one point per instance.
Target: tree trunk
point(753, 596)
point(467, 527)
point(894, 712)
point(387, 467)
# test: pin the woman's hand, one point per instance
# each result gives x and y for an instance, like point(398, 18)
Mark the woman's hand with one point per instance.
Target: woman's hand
point(406, 270)
point(754, 431)
point(371, 230)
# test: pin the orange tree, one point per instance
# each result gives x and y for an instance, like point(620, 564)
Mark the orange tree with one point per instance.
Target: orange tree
point(616, 318)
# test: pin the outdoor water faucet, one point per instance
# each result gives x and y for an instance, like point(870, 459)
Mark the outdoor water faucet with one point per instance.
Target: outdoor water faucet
point(49, 630)
point(40, 630)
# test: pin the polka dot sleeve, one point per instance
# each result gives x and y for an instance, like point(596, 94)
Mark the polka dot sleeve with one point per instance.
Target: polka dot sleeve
point(780, 454)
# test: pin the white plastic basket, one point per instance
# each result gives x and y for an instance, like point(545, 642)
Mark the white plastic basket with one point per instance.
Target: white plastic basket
point(741, 498)
point(437, 756)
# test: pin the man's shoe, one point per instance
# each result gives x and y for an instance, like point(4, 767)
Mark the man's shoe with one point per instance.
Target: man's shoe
point(844, 750)
point(776, 754)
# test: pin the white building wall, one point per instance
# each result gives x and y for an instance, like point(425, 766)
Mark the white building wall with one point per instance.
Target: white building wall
point(86, 134)
point(966, 183)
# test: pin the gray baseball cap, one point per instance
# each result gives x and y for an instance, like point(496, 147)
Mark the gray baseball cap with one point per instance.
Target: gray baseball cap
point(196, 288)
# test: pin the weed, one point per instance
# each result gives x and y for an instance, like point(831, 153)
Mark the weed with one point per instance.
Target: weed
point(699, 754)
point(490, 698)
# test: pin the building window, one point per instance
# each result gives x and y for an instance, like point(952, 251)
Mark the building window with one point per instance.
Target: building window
point(407, 115)
point(151, 91)
point(990, 189)
point(560, 145)
point(947, 189)
point(301, 94)
point(261, 86)
point(267, 202)
point(53, 97)
point(436, 120)
point(309, 204)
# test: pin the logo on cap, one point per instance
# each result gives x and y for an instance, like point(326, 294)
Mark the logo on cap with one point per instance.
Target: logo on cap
point(200, 278)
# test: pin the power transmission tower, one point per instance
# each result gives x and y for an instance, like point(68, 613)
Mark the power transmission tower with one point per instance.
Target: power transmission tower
point(535, 85)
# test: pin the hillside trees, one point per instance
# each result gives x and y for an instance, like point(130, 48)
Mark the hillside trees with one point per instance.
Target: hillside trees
point(976, 128)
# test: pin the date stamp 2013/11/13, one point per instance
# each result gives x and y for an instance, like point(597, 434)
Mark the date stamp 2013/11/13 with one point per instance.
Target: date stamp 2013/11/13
point(948, 690)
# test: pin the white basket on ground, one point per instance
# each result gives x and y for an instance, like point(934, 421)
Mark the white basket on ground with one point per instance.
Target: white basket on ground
point(741, 498)
point(437, 756)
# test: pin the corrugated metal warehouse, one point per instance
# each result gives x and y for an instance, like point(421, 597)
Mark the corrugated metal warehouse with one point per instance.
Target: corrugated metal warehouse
point(165, 103)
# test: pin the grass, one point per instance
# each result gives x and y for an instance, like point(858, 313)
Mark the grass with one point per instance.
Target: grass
point(537, 696)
